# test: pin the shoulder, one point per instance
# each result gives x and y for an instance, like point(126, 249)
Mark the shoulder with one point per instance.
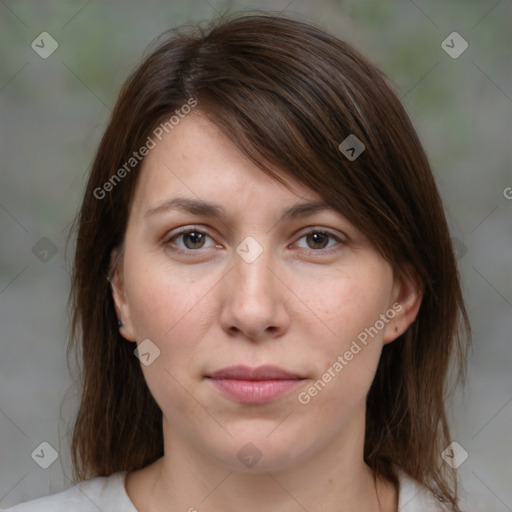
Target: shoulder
point(414, 497)
point(101, 493)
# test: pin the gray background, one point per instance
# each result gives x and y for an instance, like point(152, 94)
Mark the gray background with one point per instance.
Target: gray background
point(53, 112)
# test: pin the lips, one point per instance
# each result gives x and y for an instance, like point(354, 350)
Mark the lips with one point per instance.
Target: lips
point(266, 372)
point(254, 385)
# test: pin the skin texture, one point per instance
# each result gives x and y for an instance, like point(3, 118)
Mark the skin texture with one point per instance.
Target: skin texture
point(295, 306)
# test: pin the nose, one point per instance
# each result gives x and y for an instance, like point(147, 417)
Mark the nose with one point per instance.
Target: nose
point(254, 299)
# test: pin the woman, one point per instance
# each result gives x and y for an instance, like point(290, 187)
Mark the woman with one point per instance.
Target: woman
point(264, 291)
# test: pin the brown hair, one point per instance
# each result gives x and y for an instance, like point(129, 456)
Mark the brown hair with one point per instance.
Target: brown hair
point(287, 94)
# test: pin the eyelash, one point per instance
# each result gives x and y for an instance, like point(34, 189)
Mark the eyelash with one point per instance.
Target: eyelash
point(309, 252)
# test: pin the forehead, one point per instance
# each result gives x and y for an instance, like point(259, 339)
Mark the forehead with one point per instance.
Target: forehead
point(196, 160)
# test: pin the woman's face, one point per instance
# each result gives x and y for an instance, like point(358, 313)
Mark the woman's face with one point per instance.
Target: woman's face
point(250, 286)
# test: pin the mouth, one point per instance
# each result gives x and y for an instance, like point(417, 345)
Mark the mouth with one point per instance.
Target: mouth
point(254, 385)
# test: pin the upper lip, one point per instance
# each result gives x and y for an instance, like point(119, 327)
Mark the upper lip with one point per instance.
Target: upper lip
point(265, 372)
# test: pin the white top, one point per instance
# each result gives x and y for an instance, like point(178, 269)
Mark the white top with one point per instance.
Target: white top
point(108, 494)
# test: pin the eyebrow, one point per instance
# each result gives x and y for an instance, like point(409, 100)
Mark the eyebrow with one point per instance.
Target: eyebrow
point(207, 209)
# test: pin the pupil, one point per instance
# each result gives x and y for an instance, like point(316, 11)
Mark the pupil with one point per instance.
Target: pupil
point(195, 239)
point(319, 238)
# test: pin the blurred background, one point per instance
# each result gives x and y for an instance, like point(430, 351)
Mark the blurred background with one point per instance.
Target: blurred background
point(56, 93)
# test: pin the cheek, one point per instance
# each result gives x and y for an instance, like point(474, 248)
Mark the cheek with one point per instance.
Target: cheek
point(349, 350)
point(348, 305)
point(169, 308)
point(164, 299)
point(172, 308)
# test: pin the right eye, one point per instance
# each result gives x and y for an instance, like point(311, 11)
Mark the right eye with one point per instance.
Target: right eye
point(188, 241)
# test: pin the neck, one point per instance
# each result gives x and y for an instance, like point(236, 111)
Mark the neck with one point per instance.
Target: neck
point(335, 478)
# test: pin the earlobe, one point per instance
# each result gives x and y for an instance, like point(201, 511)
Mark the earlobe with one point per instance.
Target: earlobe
point(406, 302)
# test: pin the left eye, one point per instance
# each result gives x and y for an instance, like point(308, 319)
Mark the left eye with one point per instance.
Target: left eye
point(319, 239)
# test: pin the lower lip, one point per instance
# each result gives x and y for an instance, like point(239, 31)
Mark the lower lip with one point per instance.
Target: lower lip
point(255, 391)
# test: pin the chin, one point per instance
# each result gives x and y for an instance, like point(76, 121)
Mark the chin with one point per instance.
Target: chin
point(259, 453)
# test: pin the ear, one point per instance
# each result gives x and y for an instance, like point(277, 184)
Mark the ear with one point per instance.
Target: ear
point(121, 303)
point(405, 302)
